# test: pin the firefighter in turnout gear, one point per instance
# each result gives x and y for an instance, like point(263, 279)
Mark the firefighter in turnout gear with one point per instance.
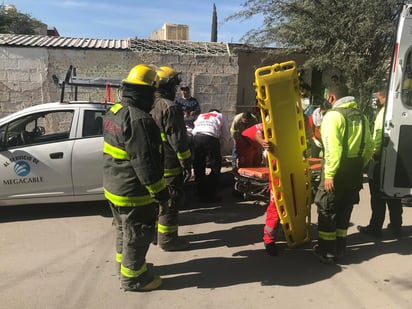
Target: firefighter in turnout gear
point(133, 176)
point(348, 147)
point(169, 118)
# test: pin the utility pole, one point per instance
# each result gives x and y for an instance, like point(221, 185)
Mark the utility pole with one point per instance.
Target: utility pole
point(213, 37)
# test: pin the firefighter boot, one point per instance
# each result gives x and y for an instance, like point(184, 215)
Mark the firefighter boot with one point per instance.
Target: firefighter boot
point(325, 251)
point(170, 241)
point(176, 244)
point(143, 283)
point(147, 285)
point(340, 247)
point(322, 256)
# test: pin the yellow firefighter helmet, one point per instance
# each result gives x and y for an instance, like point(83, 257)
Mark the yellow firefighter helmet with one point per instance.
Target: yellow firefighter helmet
point(168, 74)
point(142, 74)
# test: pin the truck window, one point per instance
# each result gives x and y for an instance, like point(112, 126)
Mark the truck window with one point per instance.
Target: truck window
point(407, 80)
point(38, 128)
point(92, 123)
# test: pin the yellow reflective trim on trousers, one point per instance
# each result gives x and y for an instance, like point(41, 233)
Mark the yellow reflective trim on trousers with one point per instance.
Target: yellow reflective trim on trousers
point(184, 155)
point(115, 152)
point(168, 172)
point(163, 136)
point(118, 257)
point(341, 233)
point(130, 273)
point(116, 107)
point(130, 201)
point(157, 186)
point(166, 229)
point(327, 235)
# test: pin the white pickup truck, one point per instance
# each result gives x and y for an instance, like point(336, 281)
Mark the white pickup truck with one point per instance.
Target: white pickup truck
point(52, 153)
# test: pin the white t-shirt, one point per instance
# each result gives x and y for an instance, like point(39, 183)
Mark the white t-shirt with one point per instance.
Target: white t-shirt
point(213, 124)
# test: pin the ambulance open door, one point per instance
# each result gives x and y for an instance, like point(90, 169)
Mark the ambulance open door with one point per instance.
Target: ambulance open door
point(396, 156)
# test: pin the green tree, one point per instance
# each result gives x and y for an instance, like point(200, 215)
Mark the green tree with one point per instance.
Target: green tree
point(18, 23)
point(354, 36)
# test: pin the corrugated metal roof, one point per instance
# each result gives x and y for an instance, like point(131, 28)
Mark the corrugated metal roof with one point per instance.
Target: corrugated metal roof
point(179, 47)
point(134, 44)
point(61, 42)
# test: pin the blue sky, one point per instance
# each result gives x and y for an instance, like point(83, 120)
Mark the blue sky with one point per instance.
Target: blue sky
point(121, 19)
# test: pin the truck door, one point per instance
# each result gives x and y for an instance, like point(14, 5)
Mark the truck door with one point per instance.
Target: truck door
point(88, 153)
point(396, 167)
point(35, 161)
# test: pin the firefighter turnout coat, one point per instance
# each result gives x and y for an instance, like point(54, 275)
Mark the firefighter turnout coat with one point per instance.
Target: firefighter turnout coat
point(169, 118)
point(133, 161)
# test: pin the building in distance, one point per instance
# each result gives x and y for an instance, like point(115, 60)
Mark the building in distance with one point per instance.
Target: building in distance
point(171, 32)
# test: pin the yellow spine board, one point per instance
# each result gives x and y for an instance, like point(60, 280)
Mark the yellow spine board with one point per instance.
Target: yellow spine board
point(277, 93)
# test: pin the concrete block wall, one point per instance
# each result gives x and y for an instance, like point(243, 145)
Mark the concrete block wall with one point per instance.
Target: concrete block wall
point(23, 78)
point(27, 75)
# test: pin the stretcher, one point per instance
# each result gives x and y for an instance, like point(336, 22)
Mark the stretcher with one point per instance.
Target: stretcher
point(252, 183)
point(278, 97)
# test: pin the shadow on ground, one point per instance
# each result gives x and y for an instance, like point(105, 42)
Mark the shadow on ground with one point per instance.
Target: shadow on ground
point(293, 267)
point(230, 209)
point(60, 210)
point(363, 247)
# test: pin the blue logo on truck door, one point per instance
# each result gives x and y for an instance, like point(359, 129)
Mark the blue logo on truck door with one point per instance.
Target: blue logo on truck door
point(21, 168)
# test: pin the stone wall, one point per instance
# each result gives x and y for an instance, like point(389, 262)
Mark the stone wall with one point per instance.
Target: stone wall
point(222, 81)
point(23, 78)
point(27, 77)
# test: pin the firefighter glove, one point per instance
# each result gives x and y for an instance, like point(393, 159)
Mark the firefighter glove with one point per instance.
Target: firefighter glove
point(164, 206)
point(187, 163)
point(187, 173)
point(162, 196)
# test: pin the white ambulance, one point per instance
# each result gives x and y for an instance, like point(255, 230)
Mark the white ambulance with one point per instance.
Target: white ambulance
point(396, 167)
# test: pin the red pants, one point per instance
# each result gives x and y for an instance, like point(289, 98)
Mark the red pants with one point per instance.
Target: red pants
point(272, 220)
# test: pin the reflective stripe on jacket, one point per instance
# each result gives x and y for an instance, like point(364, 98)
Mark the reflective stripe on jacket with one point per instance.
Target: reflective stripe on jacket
point(332, 130)
point(132, 157)
point(169, 118)
point(377, 131)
